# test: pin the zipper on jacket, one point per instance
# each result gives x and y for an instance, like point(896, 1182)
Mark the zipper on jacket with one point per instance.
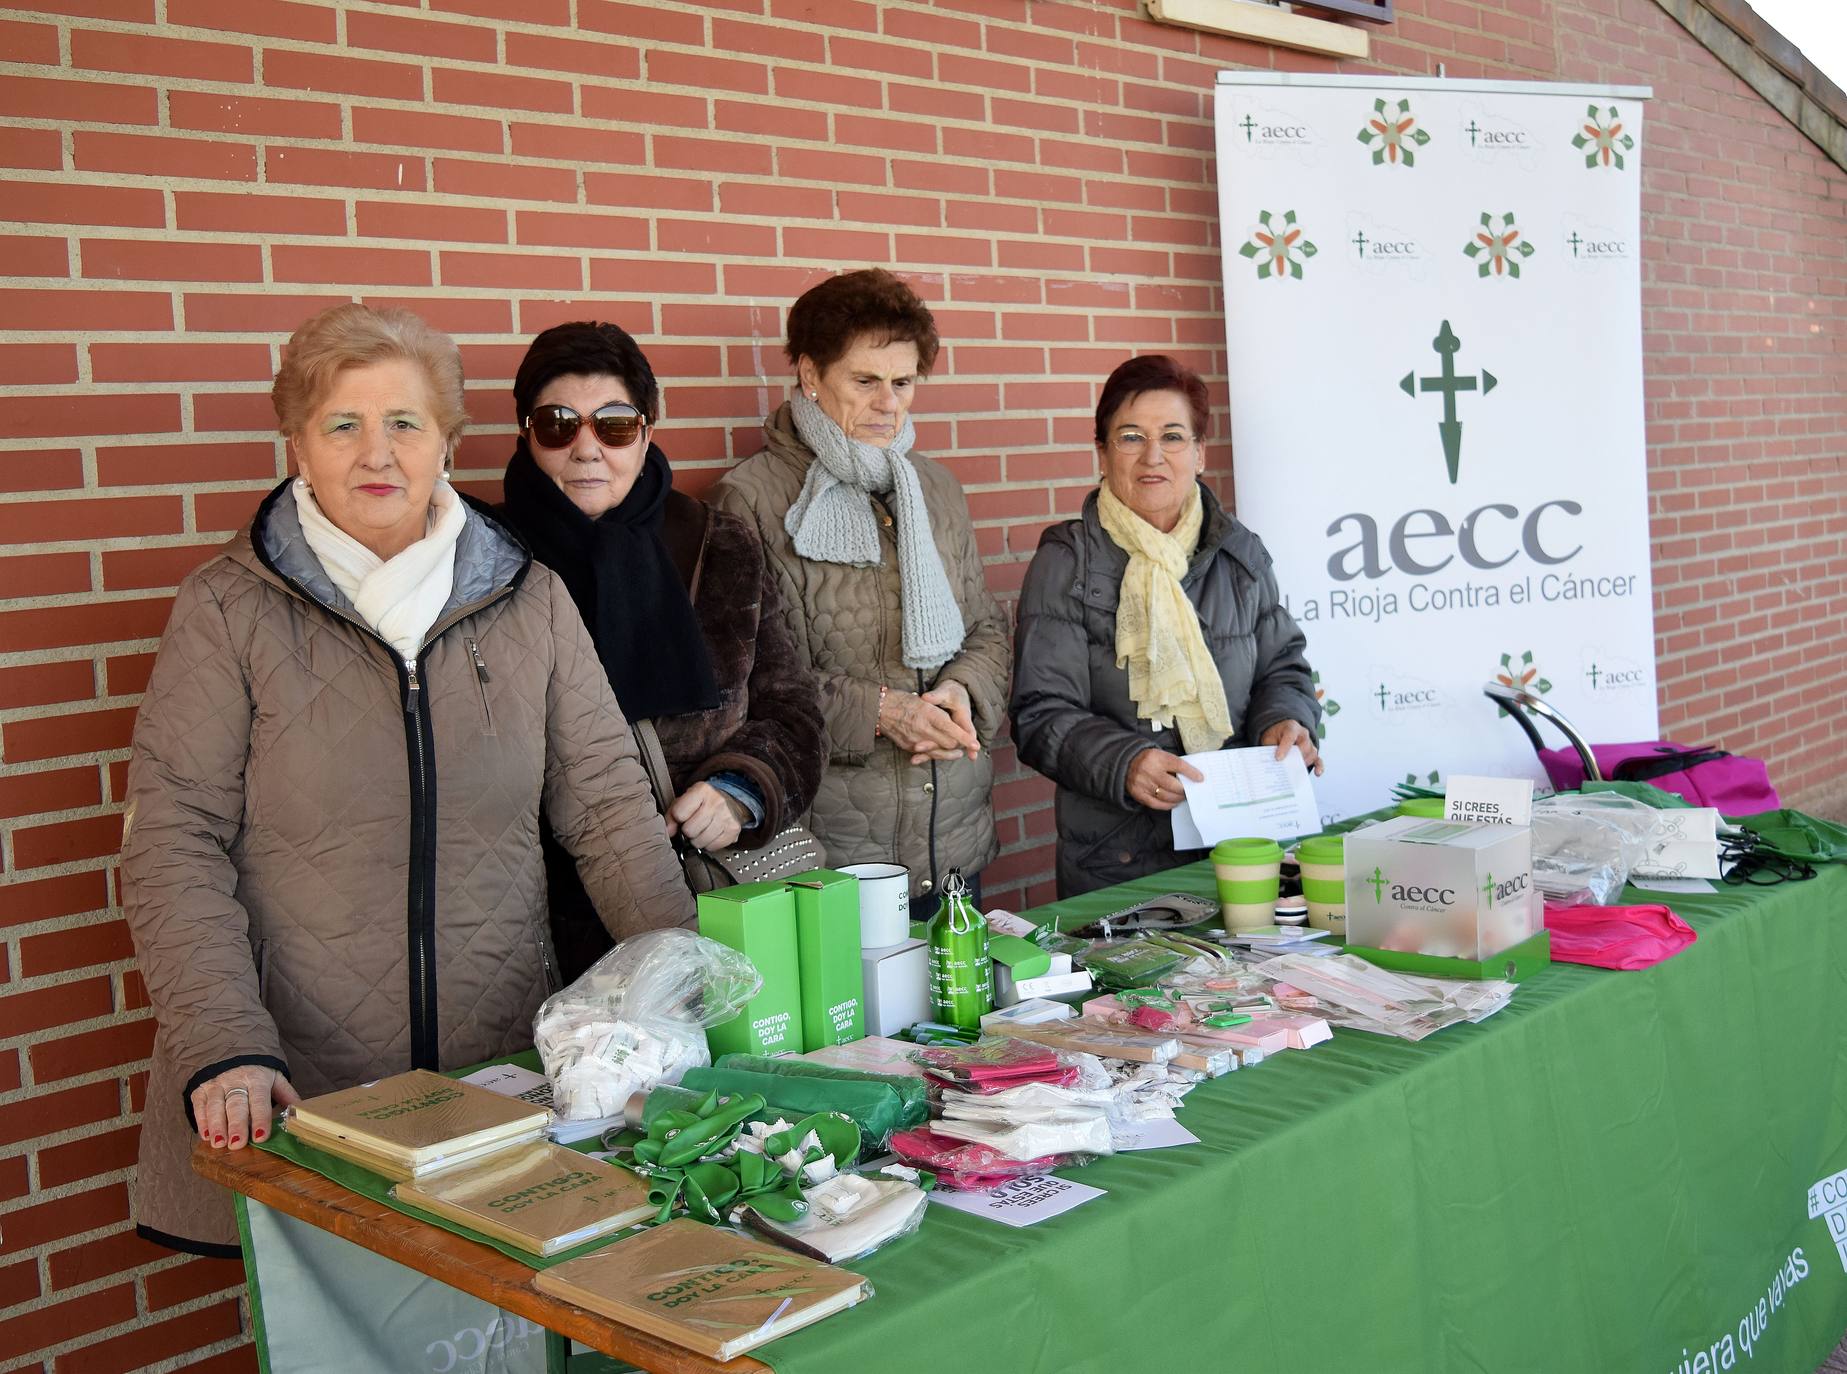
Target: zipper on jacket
point(481, 681)
point(421, 898)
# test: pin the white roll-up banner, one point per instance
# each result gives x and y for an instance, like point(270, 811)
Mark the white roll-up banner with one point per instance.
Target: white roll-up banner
point(1434, 331)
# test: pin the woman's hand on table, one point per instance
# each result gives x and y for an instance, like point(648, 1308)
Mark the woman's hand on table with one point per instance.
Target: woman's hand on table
point(1292, 734)
point(1154, 779)
point(938, 725)
point(235, 1107)
point(706, 817)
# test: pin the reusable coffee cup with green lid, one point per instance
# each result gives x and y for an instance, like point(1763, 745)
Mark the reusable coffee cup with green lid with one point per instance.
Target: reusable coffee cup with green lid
point(1248, 872)
point(1324, 881)
point(1426, 808)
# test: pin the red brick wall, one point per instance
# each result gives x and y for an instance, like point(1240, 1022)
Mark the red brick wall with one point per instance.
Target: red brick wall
point(186, 191)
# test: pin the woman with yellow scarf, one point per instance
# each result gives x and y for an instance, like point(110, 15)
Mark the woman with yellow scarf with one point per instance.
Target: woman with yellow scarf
point(1150, 627)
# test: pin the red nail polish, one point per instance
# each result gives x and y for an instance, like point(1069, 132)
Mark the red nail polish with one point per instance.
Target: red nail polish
point(217, 1140)
point(236, 1141)
point(260, 1135)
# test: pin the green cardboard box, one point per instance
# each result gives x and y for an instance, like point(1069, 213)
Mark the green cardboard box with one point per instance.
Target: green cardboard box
point(758, 920)
point(827, 945)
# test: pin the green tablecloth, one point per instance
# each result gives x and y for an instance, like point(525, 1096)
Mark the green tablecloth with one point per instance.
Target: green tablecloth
point(1608, 1175)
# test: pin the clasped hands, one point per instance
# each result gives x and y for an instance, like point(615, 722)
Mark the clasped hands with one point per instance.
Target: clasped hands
point(938, 725)
point(1155, 776)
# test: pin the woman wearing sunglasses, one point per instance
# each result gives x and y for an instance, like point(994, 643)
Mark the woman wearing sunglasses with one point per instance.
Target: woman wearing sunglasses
point(881, 580)
point(1150, 627)
point(360, 707)
point(678, 599)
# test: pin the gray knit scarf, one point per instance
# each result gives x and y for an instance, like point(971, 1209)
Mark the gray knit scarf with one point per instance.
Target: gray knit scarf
point(832, 522)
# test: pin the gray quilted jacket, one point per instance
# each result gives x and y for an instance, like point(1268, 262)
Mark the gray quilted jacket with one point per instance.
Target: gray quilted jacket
point(873, 804)
point(331, 861)
point(1073, 719)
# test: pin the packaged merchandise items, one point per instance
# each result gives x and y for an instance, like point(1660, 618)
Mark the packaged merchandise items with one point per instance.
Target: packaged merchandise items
point(873, 1053)
point(1131, 963)
point(540, 1198)
point(827, 944)
point(415, 1123)
point(510, 1080)
point(1440, 888)
point(1069, 986)
point(1046, 1133)
point(1104, 1042)
point(992, 1061)
point(1358, 995)
point(707, 1289)
point(1032, 1012)
point(1022, 959)
point(636, 1018)
point(896, 984)
point(969, 1166)
point(1171, 911)
point(1211, 1020)
point(758, 920)
point(961, 972)
point(848, 1218)
point(1585, 847)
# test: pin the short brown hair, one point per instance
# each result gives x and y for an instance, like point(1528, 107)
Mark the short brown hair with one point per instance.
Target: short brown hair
point(344, 336)
point(1153, 372)
point(871, 304)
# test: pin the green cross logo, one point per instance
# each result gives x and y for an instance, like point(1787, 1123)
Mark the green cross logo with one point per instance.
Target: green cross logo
point(1278, 250)
point(1377, 883)
point(1487, 890)
point(1523, 676)
point(1592, 675)
point(1248, 125)
point(1472, 129)
point(1395, 133)
point(1574, 241)
point(1329, 707)
point(1360, 241)
point(1602, 132)
point(1449, 385)
point(1383, 695)
point(1500, 248)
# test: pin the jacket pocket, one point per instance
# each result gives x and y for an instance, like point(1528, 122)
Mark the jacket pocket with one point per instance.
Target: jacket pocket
point(481, 681)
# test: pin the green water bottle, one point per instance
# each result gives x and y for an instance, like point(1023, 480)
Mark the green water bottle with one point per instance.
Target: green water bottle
point(961, 974)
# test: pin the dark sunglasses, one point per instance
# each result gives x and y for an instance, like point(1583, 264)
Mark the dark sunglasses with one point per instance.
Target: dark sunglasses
point(616, 425)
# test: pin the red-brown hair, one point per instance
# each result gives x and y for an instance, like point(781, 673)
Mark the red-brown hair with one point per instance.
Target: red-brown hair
point(1153, 372)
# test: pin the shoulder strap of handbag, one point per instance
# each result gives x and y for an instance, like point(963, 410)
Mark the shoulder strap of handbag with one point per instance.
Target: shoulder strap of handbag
point(1644, 766)
point(654, 762)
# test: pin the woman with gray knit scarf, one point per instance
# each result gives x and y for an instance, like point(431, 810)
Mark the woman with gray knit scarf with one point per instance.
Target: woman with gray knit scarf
point(875, 557)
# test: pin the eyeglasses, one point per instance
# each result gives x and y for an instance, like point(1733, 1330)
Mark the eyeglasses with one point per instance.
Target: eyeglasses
point(616, 425)
point(1132, 443)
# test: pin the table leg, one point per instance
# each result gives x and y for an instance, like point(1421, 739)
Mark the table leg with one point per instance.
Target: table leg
point(557, 1352)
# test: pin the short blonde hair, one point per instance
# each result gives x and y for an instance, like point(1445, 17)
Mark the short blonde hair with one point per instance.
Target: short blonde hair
point(344, 336)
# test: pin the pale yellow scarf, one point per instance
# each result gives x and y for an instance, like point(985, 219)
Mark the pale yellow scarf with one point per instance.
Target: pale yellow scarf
point(1158, 639)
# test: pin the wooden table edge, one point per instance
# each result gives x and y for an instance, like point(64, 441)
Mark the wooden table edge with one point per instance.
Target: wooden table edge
point(461, 1263)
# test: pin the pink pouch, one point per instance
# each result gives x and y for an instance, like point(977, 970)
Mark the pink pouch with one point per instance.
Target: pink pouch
point(1619, 937)
point(967, 1165)
point(1736, 785)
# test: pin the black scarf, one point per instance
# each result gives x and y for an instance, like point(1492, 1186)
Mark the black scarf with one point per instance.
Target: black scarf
point(622, 578)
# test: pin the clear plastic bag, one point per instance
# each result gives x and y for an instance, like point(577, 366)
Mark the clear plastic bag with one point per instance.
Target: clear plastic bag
point(848, 1218)
point(637, 1018)
point(1585, 844)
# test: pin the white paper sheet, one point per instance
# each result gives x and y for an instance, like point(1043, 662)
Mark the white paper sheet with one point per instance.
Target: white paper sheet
point(1021, 1201)
point(1246, 792)
point(1160, 1133)
point(1682, 885)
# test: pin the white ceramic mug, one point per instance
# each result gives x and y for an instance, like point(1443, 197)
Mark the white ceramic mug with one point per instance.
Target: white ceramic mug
point(884, 903)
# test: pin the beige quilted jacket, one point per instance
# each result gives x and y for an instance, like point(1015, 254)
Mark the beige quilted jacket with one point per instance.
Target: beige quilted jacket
point(331, 862)
point(873, 804)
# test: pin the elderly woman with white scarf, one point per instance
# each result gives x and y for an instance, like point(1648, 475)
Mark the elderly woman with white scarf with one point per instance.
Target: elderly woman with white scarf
point(1150, 627)
point(881, 581)
point(361, 706)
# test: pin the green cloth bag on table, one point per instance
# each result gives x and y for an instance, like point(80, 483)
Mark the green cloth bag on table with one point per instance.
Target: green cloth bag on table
point(1797, 835)
point(911, 1089)
point(874, 1107)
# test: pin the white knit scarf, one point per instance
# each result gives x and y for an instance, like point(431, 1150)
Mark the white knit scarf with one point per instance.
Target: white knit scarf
point(400, 597)
point(831, 521)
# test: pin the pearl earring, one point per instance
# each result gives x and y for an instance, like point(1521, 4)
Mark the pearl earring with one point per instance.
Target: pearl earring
point(814, 395)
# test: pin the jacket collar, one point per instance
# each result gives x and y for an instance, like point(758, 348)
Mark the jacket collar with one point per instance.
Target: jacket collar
point(489, 557)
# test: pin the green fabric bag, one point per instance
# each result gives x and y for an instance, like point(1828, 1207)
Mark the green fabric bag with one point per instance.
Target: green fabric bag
point(911, 1089)
point(874, 1107)
point(1797, 835)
